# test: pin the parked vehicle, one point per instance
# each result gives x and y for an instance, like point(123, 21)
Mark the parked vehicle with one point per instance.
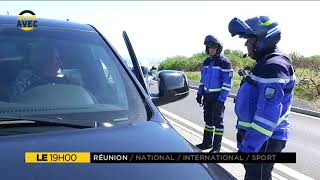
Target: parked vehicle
point(64, 88)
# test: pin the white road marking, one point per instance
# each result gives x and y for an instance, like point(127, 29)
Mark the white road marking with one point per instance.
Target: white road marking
point(291, 172)
point(277, 176)
point(197, 127)
point(224, 149)
point(280, 167)
point(193, 90)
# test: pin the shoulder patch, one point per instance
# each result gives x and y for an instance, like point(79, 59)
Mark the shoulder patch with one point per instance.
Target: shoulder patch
point(269, 93)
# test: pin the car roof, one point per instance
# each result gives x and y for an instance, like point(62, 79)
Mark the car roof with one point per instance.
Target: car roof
point(12, 20)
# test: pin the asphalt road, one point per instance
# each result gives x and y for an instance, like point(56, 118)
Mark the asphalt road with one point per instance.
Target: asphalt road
point(304, 139)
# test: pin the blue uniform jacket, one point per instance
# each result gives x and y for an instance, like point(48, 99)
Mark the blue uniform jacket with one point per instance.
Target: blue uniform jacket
point(216, 77)
point(263, 102)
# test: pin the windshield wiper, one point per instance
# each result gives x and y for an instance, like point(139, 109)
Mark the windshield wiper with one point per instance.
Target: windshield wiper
point(9, 120)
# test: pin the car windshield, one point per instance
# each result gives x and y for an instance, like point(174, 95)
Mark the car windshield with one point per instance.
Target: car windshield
point(71, 74)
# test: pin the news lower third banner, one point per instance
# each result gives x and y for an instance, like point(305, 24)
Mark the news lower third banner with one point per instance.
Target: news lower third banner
point(104, 157)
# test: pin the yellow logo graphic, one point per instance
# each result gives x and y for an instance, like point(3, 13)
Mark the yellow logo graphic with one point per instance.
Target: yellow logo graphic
point(57, 157)
point(27, 20)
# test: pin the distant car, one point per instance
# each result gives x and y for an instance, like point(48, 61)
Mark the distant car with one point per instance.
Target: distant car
point(93, 103)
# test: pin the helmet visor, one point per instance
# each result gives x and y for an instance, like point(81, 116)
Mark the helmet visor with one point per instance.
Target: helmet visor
point(238, 27)
point(211, 44)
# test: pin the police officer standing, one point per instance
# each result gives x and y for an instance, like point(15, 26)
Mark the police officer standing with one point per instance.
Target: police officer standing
point(264, 100)
point(215, 84)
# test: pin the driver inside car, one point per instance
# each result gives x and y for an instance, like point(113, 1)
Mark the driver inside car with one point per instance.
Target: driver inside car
point(45, 68)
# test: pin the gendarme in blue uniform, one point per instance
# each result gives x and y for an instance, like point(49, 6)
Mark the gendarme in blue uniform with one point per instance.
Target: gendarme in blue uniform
point(215, 84)
point(263, 101)
point(216, 76)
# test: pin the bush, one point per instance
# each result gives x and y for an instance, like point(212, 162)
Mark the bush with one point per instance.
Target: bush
point(307, 70)
point(308, 83)
point(195, 62)
point(300, 61)
point(174, 63)
point(237, 59)
point(182, 63)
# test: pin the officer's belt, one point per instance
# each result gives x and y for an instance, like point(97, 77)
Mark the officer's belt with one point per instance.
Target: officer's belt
point(254, 83)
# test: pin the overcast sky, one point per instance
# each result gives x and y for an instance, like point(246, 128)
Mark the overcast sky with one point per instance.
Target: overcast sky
point(163, 29)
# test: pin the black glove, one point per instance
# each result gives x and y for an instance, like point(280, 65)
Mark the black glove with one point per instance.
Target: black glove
point(199, 99)
point(240, 135)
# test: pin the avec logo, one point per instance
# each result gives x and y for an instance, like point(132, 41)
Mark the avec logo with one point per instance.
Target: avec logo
point(27, 20)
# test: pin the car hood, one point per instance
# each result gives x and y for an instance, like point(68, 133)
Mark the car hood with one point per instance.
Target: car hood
point(144, 137)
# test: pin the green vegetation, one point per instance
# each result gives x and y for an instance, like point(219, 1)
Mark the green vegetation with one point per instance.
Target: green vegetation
point(194, 76)
point(182, 63)
point(194, 63)
point(307, 70)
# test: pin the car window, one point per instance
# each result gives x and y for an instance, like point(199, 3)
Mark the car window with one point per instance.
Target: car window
point(69, 73)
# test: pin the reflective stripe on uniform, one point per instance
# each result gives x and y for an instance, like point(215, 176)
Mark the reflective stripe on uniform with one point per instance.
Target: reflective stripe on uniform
point(244, 124)
point(226, 85)
point(209, 130)
point(227, 70)
point(272, 80)
point(217, 67)
point(217, 129)
point(265, 121)
point(218, 133)
point(283, 119)
point(285, 116)
point(227, 89)
point(261, 129)
point(212, 90)
point(272, 31)
point(210, 127)
point(268, 23)
point(272, 124)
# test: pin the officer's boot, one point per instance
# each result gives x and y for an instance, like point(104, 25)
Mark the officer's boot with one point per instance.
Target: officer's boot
point(216, 145)
point(207, 140)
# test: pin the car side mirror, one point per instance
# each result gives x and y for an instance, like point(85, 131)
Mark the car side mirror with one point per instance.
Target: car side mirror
point(173, 86)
